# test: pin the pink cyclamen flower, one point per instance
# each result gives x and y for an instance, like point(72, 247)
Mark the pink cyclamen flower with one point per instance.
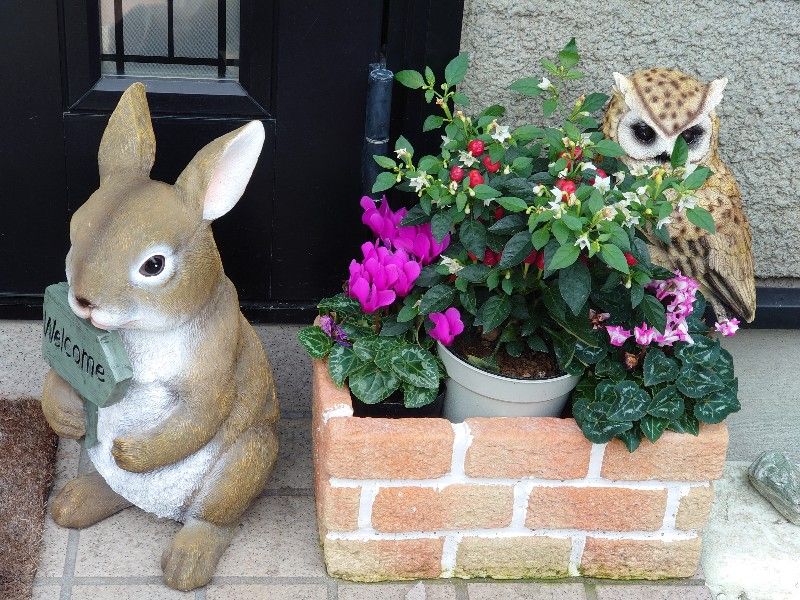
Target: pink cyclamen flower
point(380, 219)
point(644, 334)
point(727, 327)
point(617, 334)
point(419, 241)
point(447, 325)
point(382, 277)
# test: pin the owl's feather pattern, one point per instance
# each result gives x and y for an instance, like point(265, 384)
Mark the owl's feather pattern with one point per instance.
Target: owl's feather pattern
point(721, 262)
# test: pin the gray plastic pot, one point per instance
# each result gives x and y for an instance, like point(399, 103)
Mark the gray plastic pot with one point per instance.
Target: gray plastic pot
point(472, 392)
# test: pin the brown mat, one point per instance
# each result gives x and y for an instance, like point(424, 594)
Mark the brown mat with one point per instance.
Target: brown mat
point(27, 462)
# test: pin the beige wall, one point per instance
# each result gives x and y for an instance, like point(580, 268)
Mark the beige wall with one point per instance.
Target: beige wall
point(756, 44)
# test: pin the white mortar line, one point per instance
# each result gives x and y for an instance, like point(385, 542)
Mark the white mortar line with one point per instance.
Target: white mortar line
point(449, 553)
point(576, 554)
point(522, 493)
point(368, 494)
point(596, 461)
point(674, 495)
point(342, 410)
point(449, 479)
point(371, 535)
point(462, 440)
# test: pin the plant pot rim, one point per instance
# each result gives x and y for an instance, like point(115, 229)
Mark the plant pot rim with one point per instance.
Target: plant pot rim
point(501, 377)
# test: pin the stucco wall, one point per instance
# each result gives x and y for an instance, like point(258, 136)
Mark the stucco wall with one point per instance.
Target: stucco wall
point(756, 44)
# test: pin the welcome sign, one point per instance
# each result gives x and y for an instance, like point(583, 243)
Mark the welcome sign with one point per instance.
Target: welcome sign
point(91, 360)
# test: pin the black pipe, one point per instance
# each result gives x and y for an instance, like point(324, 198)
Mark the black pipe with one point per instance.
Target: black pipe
point(376, 125)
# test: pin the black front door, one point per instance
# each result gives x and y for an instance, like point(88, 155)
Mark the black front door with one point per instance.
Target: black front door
point(209, 66)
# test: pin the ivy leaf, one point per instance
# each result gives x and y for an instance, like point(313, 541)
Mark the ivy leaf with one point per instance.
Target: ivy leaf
point(437, 299)
point(658, 368)
point(700, 217)
point(315, 341)
point(680, 153)
point(384, 181)
point(564, 257)
point(718, 405)
point(416, 366)
point(696, 382)
point(609, 148)
point(575, 284)
point(371, 385)
point(653, 427)
point(417, 397)
point(667, 404)
point(410, 79)
point(341, 362)
point(614, 258)
point(493, 312)
point(456, 69)
point(516, 250)
point(705, 351)
point(631, 402)
point(473, 235)
point(528, 86)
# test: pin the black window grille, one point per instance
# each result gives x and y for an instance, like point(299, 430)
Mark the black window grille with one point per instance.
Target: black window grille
point(222, 62)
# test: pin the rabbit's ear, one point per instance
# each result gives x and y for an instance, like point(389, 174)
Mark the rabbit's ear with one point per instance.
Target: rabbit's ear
point(128, 144)
point(216, 177)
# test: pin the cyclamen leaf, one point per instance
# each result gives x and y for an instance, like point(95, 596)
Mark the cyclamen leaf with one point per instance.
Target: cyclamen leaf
point(653, 427)
point(416, 366)
point(341, 362)
point(630, 438)
point(667, 403)
point(631, 403)
point(603, 430)
point(341, 304)
point(705, 351)
point(718, 405)
point(686, 423)
point(658, 368)
point(696, 382)
point(315, 341)
point(653, 311)
point(417, 397)
point(371, 385)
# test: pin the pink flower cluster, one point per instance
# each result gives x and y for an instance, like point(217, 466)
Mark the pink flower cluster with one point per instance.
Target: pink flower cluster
point(382, 276)
point(447, 325)
point(417, 240)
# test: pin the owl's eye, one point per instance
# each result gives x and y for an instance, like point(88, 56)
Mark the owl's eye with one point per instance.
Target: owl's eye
point(693, 134)
point(643, 132)
point(152, 266)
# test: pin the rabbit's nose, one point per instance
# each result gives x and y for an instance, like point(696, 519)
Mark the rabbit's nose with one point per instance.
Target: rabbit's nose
point(83, 302)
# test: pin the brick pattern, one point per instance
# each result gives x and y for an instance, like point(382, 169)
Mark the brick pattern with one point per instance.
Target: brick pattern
point(504, 497)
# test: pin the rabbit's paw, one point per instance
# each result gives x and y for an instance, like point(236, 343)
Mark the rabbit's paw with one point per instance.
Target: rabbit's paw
point(63, 407)
point(131, 454)
point(191, 559)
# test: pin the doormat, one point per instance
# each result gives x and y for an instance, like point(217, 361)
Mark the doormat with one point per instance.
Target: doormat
point(27, 463)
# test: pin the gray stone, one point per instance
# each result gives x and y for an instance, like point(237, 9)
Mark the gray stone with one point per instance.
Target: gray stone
point(778, 480)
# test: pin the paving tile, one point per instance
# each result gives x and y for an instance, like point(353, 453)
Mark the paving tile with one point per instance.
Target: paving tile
point(278, 538)
point(23, 368)
point(48, 591)
point(663, 591)
point(394, 591)
point(54, 549)
point(526, 591)
point(294, 459)
point(262, 592)
point(125, 591)
point(129, 543)
point(291, 365)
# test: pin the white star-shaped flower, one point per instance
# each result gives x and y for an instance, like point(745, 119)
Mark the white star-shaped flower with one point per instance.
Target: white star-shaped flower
point(608, 213)
point(400, 152)
point(501, 133)
point(557, 207)
point(619, 176)
point(420, 181)
point(583, 241)
point(602, 184)
point(544, 84)
point(587, 166)
point(466, 158)
point(663, 222)
point(642, 190)
point(445, 140)
point(563, 172)
point(685, 202)
point(453, 266)
point(638, 170)
point(539, 189)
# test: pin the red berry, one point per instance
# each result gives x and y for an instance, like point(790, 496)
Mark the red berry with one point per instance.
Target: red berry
point(630, 259)
point(492, 167)
point(475, 178)
point(540, 261)
point(531, 258)
point(456, 173)
point(601, 173)
point(472, 257)
point(475, 147)
point(566, 185)
point(491, 258)
point(451, 279)
point(499, 213)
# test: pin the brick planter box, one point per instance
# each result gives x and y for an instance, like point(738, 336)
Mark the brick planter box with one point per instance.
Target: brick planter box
point(505, 498)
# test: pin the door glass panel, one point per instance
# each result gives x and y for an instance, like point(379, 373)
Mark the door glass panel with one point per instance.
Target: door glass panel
point(170, 38)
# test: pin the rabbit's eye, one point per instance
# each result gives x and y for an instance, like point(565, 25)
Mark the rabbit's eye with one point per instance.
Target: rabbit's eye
point(152, 266)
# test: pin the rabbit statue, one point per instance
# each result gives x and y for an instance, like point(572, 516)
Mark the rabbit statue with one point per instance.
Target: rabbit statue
point(194, 437)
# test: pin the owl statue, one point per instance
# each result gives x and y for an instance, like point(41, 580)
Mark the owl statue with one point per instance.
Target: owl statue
point(647, 112)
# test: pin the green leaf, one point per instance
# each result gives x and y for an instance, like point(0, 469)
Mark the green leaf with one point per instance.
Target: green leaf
point(341, 362)
point(516, 250)
point(456, 69)
point(476, 273)
point(371, 385)
point(700, 217)
point(609, 148)
point(569, 55)
point(540, 238)
point(549, 107)
point(614, 258)
point(493, 312)
point(575, 284)
point(384, 181)
point(437, 299)
point(601, 430)
point(658, 368)
point(594, 102)
point(384, 161)
point(512, 204)
point(375, 349)
point(654, 313)
point(509, 225)
point(440, 225)
point(680, 152)
point(686, 423)
point(696, 382)
point(340, 304)
point(705, 351)
point(564, 257)
point(415, 216)
point(391, 327)
point(527, 133)
point(402, 142)
point(432, 122)
point(460, 99)
point(667, 403)
point(429, 76)
point(630, 438)
point(485, 192)
point(697, 178)
point(611, 368)
point(724, 365)
point(417, 397)
point(653, 427)
point(631, 402)
point(527, 86)
point(314, 341)
point(718, 405)
point(416, 366)
point(410, 79)
point(407, 313)
point(473, 235)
